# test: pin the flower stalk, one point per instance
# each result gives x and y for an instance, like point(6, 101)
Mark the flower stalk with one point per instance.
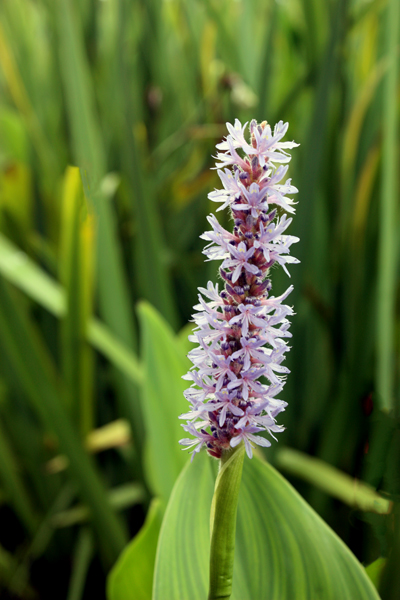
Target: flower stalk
point(223, 523)
point(241, 331)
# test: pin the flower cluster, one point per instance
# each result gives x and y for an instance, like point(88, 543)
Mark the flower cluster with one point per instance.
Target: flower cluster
point(241, 330)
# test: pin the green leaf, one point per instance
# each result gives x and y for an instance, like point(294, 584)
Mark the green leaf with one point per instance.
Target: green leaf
point(82, 558)
point(132, 576)
point(13, 484)
point(22, 101)
point(90, 157)
point(18, 268)
point(284, 550)
point(116, 351)
point(89, 154)
point(18, 585)
point(182, 561)
point(374, 570)
point(149, 247)
point(32, 364)
point(119, 498)
point(355, 493)
point(76, 273)
point(163, 401)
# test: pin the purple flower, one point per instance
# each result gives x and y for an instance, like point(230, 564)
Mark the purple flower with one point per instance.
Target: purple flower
point(231, 189)
point(226, 401)
point(249, 350)
point(200, 438)
point(218, 236)
point(241, 331)
point(248, 317)
point(247, 435)
point(248, 382)
point(267, 146)
point(254, 199)
point(222, 369)
point(240, 260)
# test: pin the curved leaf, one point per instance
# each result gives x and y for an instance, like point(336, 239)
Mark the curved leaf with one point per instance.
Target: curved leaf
point(132, 576)
point(284, 550)
point(374, 570)
point(164, 364)
point(183, 550)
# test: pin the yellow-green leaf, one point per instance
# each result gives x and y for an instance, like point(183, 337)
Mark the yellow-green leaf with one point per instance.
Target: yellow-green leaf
point(162, 392)
point(284, 550)
point(132, 576)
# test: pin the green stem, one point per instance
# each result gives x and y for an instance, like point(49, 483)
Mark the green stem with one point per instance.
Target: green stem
point(388, 242)
point(223, 523)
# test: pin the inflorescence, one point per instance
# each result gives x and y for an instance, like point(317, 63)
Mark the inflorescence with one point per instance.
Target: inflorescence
point(241, 330)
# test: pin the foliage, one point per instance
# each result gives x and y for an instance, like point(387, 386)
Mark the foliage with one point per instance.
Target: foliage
point(284, 550)
point(135, 94)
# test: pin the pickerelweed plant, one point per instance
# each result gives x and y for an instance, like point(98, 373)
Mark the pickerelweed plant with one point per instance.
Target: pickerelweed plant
point(242, 330)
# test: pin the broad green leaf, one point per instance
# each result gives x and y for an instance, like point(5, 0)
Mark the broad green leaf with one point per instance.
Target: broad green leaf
point(374, 570)
point(164, 364)
point(284, 550)
point(182, 561)
point(132, 576)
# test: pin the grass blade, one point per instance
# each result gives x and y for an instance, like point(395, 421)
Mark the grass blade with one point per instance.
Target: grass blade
point(82, 557)
point(23, 103)
point(33, 368)
point(119, 498)
point(76, 274)
point(20, 586)
point(13, 485)
point(332, 481)
point(114, 297)
point(19, 269)
point(89, 155)
point(153, 283)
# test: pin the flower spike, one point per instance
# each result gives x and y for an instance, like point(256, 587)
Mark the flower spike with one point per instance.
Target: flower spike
point(242, 330)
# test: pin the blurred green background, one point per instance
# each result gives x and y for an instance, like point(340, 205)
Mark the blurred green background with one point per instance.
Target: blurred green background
point(136, 94)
